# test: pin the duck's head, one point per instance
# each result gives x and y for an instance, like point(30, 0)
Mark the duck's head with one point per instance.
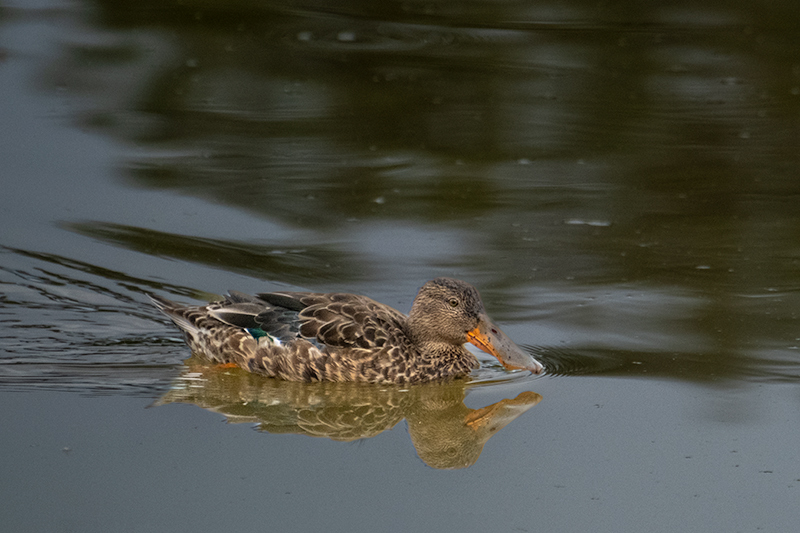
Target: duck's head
point(450, 311)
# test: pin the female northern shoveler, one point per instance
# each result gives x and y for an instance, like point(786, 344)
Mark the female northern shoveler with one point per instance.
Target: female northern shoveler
point(303, 336)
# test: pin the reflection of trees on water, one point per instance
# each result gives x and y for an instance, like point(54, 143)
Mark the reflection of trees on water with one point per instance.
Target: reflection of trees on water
point(445, 432)
point(315, 118)
point(642, 146)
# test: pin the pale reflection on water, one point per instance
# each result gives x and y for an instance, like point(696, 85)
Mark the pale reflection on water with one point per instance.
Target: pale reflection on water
point(445, 433)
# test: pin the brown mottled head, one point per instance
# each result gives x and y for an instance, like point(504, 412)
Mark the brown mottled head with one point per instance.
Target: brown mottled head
point(444, 311)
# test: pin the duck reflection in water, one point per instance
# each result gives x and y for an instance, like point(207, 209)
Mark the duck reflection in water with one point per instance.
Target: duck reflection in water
point(444, 431)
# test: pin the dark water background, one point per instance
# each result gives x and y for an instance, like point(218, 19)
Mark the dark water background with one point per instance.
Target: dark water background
point(620, 180)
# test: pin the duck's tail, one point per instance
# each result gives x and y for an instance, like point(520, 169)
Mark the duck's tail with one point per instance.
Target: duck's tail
point(176, 312)
point(162, 303)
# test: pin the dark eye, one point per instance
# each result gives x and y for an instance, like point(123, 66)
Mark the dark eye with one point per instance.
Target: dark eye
point(453, 302)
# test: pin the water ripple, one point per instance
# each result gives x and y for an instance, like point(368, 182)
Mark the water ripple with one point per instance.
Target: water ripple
point(70, 325)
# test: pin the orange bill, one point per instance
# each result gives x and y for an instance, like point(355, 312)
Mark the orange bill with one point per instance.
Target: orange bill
point(492, 340)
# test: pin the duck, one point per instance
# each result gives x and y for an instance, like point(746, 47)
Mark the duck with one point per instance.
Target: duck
point(342, 337)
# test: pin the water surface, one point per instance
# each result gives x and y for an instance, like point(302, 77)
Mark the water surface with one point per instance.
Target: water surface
point(620, 182)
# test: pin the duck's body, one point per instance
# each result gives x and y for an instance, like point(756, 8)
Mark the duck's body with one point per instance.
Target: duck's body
point(345, 337)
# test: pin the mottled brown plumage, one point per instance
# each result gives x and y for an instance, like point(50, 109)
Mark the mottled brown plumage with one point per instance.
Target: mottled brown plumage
point(345, 337)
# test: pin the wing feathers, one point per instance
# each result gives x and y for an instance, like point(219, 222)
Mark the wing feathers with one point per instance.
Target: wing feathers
point(341, 320)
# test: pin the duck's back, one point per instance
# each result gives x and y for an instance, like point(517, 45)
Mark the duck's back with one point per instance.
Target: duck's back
point(343, 320)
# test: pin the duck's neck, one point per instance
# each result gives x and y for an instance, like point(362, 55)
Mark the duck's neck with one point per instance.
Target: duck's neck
point(445, 360)
point(435, 357)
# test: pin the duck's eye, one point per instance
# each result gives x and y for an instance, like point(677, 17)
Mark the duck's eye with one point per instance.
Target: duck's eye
point(453, 302)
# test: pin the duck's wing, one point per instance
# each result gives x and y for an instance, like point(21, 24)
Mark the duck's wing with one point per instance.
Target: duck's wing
point(343, 320)
point(257, 316)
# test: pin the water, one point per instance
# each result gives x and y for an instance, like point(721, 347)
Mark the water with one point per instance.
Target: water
point(620, 182)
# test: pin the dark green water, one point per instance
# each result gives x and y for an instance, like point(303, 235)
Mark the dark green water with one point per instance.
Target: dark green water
point(621, 182)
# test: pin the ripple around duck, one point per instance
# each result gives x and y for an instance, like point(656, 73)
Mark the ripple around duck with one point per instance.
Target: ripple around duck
point(557, 362)
point(73, 326)
point(627, 363)
point(698, 367)
point(563, 362)
point(493, 374)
